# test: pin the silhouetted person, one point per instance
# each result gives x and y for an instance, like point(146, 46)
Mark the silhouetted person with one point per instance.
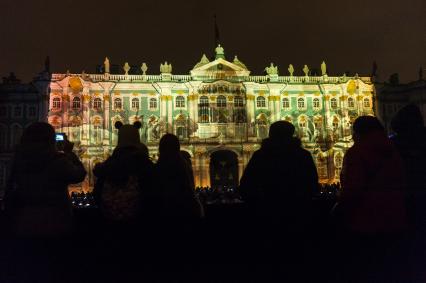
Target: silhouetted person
point(410, 140)
point(280, 178)
point(126, 178)
point(175, 182)
point(39, 199)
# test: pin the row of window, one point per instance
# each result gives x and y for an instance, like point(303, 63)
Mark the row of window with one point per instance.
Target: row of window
point(18, 111)
point(316, 103)
point(97, 103)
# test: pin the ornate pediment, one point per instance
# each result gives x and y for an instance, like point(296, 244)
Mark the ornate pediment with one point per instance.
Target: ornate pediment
point(220, 68)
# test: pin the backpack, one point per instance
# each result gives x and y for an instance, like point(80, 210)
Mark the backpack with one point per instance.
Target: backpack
point(120, 200)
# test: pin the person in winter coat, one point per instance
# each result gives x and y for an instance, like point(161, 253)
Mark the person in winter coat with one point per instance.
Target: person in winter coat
point(281, 176)
point(38, 197)
point(373, 181)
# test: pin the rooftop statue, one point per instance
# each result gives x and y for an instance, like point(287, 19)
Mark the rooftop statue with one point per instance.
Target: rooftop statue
point(290, 69)
point(272, 70)
point(306, 70)
point(323, 68)
point(166, 68)
point(220, 52)
point(238, 62)
point(144, 68)
point(126, 68)
point(106, 64)
point(204, 60)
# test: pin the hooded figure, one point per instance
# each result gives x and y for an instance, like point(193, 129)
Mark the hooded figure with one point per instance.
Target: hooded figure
point(280, 178)
point(129, 160)
point(373, 181)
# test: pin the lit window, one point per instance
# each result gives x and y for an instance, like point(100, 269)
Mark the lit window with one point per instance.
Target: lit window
point(316, 103)
point(180, 102)
point(351, 102)
point(135, 103)
point(118, 104)
point(261, 102)
point(301, 103)
point(152, 103)
point(333, 103)
point(76, 103)
point(286, 103)
point(238, 101)
point(56, 103)
point(97, 103)
point(221, 101)
point(204, 101)
point(366, 102)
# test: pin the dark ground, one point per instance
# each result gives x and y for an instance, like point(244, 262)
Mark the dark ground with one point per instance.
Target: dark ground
point(224, 247)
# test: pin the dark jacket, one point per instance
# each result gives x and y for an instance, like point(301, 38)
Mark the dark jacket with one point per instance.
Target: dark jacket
point(39, 200)
point(279, 178)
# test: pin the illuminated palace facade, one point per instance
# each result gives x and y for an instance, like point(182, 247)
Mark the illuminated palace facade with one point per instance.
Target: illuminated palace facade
point(219, 112)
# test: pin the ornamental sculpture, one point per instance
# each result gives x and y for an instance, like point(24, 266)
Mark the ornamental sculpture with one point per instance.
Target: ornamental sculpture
point(290, 69)
point(106, 64)
point(306, 70)
point(144, 68)
point(166, 68)
point(323, 68)
point(272, 70)
point(126, 68)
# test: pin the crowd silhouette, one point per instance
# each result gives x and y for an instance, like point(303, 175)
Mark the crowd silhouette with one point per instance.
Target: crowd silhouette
point(279, 223)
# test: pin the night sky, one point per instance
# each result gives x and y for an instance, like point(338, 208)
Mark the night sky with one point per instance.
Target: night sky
point(348, 35)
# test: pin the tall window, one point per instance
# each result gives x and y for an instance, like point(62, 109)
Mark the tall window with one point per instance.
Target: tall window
point(366, 103)
point(221, 101)
point(118, 103)
point(333, 103)
point(180, 102)
point(238, 101)
point(76, 103)
point(97, 103)
point(286, 103)
point(316, 103)
point(260, 101)
point(203, 110)
point(301, 103)
point(56, 103)
point(351, 102)
point(204, 101)
point(152, 103)
point(135, 103)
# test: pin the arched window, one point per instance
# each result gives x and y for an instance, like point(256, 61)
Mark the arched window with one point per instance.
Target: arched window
point(180, 102)
point(316, 103)
point(221, 101)
point(118, 105)
point(56, 103)
point(76, 103)
point(335, 123)
point(300, 103)
point(238, 101)
point(260, 102)
point(333, 103)
point(203, 110)
point(152, 103)
point(351, 102)
point(97, 103)
point(286, 103)
point(366, 103)
point(204, 101)
point(135, 103)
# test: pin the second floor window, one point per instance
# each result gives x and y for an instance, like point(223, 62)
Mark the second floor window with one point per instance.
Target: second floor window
point(351, 102)
point(76, 103)
point(152, 103)
point(238, 101)
point(135, 103)
point(56, 103)
point(117, 104)
point(301, 103)
point(316, 103)
point(366, 102)
point(333, 103)
point(204, 101)
point(286, 103)
point(261, 102)
point(221, 101)
point(97, 103)
point(180, 102)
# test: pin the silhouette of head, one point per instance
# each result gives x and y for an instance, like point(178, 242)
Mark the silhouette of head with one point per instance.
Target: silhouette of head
point(365, 125)
point(281, 130)
point(39, 133)
point(408, 119)
point(185, 155)
point(169, 145)
point(128, 135)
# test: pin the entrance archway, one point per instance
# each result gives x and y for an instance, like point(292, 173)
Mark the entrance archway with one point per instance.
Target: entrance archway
point(224, 169)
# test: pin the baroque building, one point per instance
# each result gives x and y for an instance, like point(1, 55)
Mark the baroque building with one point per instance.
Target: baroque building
point(219, 111)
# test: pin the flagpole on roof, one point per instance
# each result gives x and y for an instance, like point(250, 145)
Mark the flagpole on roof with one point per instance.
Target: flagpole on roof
point(216, 32)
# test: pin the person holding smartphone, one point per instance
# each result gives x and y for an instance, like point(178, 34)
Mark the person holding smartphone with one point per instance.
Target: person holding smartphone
point(37, 197)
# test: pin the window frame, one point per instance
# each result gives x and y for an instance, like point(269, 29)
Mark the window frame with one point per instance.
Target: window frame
point(286, 100)
point(366, 99)
point(116, 101)
point(314, 100)
point(260, 102)
point(97, 102)
point(180, 102)
point(56, 103)
point(153, 103)
point(351, 100)
point(76, 100)
point(135, 100)
point(333, 101)
point(221, 101)
point(301, 99)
